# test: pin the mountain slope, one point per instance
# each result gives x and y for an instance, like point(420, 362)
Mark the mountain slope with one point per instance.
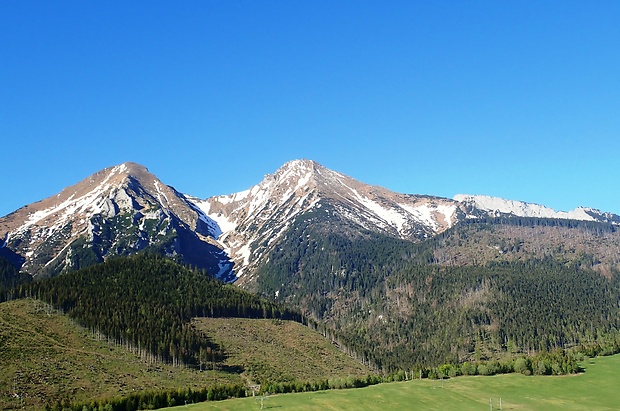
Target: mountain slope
point(478, 291)
point(253, 221)
point(116, 211)
point(477, 243)
point(366, 261)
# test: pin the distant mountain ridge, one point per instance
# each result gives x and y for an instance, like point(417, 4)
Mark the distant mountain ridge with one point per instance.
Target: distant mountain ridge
point(497, 207)
point(381, 268)
point(124, 209)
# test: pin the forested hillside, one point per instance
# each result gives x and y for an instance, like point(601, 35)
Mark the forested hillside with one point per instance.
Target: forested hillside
point(146, 302)
point(479, 291)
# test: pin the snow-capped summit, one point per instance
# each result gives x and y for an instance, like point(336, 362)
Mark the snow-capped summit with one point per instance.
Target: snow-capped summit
point(253, 221)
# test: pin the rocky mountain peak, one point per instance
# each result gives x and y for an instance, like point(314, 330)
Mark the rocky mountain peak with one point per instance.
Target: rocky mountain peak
point(117, 210)
point(298, 167)
point(254, 220)
point(309, 174)
point(125, 208)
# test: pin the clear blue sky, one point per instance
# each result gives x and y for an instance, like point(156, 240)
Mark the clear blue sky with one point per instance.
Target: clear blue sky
point(516, 99)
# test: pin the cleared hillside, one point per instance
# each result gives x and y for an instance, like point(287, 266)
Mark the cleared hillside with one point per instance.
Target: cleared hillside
point(45, 357)
point(593, 245)
point(277, 350)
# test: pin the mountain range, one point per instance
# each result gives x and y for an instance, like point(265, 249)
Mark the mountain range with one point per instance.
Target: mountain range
point(377, 270)
point(124, 209)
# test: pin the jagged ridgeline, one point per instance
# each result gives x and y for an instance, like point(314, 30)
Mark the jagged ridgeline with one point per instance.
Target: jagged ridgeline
point(146, 302)
point(478, 292)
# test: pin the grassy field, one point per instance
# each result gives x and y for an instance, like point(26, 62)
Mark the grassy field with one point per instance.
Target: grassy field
point(596, 389)
point(278, 350)
point(44, 356)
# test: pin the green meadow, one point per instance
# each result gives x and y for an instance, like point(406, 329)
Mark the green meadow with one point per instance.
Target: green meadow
point(595, 389)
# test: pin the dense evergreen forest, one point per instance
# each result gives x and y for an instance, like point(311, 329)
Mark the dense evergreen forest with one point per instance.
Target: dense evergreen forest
point(146, 302)
point(434, 315)
point(10, 276)
point(399, 308)
point(318, 269)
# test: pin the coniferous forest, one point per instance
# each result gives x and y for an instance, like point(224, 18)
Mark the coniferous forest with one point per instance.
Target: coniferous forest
point(398, 307)
point(10, 276)
point(146, 302)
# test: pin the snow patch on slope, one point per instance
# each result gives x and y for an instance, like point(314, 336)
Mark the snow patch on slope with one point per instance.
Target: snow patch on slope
point(160, 194)
point(389, 215)
point(427, 214)
point(220, 223)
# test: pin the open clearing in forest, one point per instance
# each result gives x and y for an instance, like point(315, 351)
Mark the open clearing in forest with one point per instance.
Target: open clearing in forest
point(596, 389)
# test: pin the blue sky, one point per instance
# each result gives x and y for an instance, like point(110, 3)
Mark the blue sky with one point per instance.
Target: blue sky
point(513, 99)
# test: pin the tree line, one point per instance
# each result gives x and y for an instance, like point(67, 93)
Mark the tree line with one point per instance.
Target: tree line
point(151, 400)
